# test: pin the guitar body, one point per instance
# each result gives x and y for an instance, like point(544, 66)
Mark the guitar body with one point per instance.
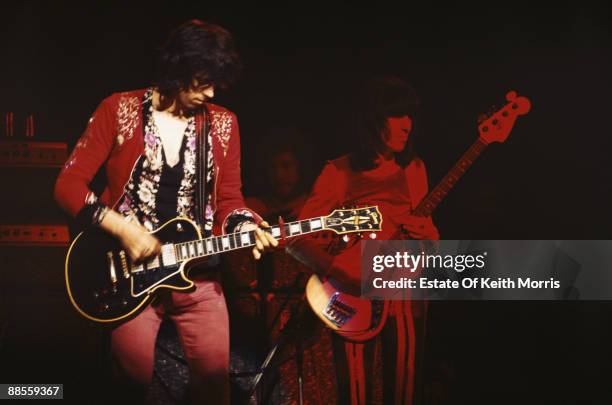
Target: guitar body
point(104, 286)
point(351, 317)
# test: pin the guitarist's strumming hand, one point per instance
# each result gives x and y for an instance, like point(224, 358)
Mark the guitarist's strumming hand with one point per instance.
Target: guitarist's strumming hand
point(138, 243)
point(263, 240)
point(420, 228)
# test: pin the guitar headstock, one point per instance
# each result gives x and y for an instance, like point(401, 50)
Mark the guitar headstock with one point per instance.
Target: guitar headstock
point(352, 220)
point(498, 125)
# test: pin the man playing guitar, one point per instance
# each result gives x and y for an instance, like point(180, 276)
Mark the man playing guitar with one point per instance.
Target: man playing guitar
point(168, 152)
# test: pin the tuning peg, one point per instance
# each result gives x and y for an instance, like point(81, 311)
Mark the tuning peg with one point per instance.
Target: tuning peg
point(482, 118)
point(511, 95)
point(372, 235)
point(345, 238)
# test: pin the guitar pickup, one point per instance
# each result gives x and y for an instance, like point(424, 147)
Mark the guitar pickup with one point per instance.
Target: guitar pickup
point(153, 263)
point(138, 268)
point(168, 255)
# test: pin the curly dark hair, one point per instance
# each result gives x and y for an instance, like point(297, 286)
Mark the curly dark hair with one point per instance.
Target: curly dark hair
point(382, 98)
point(197, 50)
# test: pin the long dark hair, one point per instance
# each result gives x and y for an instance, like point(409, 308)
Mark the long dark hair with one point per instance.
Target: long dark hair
point(381, 98)
point(197, 50)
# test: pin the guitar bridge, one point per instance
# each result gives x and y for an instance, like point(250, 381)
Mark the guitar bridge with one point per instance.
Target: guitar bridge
point(337, 311)
point(111, 268)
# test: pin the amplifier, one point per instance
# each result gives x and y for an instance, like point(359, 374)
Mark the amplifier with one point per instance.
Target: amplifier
point(34, 235)
point(27, 195)
point(30, 266)
point(33, 154)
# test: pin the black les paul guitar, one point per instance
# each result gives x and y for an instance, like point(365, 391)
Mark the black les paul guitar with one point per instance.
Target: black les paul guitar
point(104, 285)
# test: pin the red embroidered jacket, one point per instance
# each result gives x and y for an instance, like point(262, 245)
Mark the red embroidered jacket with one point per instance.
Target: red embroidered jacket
point(114, 137)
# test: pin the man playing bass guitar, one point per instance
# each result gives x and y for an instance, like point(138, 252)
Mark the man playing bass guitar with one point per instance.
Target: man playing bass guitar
point(383, 170)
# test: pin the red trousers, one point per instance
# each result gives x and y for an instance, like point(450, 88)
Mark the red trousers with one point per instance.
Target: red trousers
point(202, 324)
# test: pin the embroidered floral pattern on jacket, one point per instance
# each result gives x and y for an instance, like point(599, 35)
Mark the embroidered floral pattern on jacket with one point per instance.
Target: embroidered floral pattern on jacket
point(221, 123)
point(127, 118)
point(126, 208)
point(81, 143)
point(139, 200)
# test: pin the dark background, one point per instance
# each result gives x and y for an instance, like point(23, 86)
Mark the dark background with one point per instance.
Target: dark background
point(550, 180)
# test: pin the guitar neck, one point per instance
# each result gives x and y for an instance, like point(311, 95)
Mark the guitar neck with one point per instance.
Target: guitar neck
point(238, 240)
point(431, 201)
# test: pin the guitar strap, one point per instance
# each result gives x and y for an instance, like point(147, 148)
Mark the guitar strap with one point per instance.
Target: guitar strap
point(201, 159)
point(416, 181)
point(283, 233)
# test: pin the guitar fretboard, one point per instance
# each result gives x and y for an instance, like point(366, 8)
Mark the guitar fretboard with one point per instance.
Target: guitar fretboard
point(238, 240)
point(429, 203)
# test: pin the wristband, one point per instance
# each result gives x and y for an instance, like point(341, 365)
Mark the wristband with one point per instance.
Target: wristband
point(99, 215)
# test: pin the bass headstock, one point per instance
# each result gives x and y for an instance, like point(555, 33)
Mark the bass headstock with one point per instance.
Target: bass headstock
point(498, 125)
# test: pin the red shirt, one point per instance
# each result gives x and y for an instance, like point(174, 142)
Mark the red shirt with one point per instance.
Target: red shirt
point(396, 194)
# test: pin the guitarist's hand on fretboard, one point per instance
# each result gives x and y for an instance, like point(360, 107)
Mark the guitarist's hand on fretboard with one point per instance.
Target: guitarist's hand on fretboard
point(264, 241)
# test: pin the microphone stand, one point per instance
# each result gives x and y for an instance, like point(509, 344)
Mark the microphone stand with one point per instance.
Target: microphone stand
point(292, 325)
